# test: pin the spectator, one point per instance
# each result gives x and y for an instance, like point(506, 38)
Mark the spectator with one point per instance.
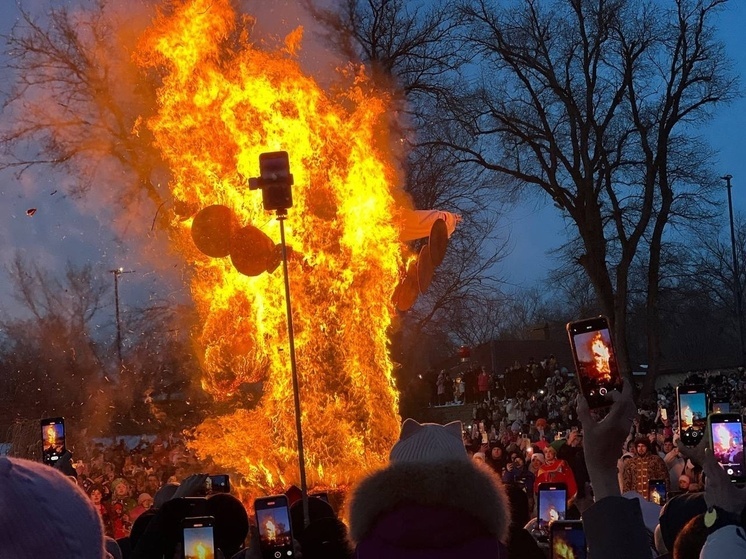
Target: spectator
point(643, 467)
point(483, 383)
point(402, 510)
point(555, 470)
point(44, 514)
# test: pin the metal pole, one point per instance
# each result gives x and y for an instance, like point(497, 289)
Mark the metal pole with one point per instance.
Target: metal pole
point(281, 215)
point(736, 273)
point(119, 323)
point(117, 273)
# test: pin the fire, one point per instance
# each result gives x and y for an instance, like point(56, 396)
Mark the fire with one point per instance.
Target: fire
point(601, 356)
point(561, 550)
point(271, 530)
point(201, 551)
point(222, 103)
point(51, 436)
point(687, 417)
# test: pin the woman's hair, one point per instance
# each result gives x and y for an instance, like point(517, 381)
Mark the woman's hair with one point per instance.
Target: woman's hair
point(691, 539)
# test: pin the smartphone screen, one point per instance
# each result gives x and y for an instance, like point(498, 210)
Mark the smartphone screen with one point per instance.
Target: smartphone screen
point(657, 491)
point(197, 538)
point(275, 532)
point(595, 360)
point(551, 505)
point(217, 484)
point(567, 540)
point(726, 434)
point(52, 439)
point(692, 403)
point(721, 407)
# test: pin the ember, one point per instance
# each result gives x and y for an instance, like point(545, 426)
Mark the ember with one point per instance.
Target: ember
point(223, 102)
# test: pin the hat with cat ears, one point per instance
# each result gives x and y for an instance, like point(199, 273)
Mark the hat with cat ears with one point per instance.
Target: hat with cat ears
point(429, 442)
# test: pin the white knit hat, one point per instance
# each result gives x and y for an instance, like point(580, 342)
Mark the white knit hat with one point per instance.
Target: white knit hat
point(44, 514)
point(429, 442)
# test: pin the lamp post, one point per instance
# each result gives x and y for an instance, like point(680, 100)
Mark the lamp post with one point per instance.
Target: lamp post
point(736, 273)
point(118, 272)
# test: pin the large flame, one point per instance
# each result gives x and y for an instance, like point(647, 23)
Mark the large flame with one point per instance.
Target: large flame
point(601, 356)
point(51, 436)
point(687, 418)
point(562, 550)
point(224, 102)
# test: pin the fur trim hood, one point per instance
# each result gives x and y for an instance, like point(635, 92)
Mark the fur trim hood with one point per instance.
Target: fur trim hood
point(458, 484)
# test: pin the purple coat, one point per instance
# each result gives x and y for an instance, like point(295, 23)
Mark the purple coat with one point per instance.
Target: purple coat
point(430, 511)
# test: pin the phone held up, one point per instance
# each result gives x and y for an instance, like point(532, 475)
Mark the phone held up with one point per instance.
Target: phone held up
point(52, 439)
point(692, 405)
point(275, 531)
point(198, 541)
point(595, 360)
point(657, 491)
point(567, 539)
point(726, 438)
point(217, 484)
point(551, 506)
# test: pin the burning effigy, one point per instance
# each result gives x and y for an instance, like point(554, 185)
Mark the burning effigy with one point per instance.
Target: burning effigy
point(223, 102)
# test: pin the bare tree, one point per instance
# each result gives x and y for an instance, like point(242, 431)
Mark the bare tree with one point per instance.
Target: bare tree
point(51, 358)
point(592, 103)
point(77, 101)
point(412, 49)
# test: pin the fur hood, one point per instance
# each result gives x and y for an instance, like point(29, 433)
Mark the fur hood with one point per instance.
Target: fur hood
point(460, 485)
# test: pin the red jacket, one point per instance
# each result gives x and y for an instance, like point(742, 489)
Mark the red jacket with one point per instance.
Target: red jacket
point(483, 382)
point(557, 472)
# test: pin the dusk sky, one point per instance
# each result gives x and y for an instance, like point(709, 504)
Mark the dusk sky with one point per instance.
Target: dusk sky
point(79, 230)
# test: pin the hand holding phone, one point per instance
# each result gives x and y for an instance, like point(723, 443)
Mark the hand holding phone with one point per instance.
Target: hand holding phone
point(567, 539)
point(52, 439)
point(198, 541)
point(217, 484)
point(657, 491)
point(551, 505)
point(275, 530)
point(726, 442)
point(692, 406)
point(595, 360)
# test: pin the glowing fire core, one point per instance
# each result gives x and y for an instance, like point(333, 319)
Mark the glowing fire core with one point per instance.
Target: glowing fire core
point(223, 102)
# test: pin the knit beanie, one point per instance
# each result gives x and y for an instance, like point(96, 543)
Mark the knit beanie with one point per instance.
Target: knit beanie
point(44, 514)
point(429, 442)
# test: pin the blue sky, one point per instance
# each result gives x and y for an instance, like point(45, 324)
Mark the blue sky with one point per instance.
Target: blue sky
point(65, 229)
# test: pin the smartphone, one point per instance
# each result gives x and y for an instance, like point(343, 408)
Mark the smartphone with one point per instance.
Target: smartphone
point(664, 414)
point(198, 541)
point(323, 495)
point(551, 505)
point(595, 360)
point(567, 539)
point(52, 439)
point(692, 405)
point(726, 437)
point(217, 484)
point(721, 407)
point(657, 491)
point(275, 531)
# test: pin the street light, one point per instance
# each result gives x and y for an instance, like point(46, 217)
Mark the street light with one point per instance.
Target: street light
point(118, 272)
point(736, 274)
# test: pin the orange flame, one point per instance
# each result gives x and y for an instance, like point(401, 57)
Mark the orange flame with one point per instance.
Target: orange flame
point(222, 103)
point(51, 436)
point(271, 530)
point(687, 417)
point(561, 550)
point(601, 355)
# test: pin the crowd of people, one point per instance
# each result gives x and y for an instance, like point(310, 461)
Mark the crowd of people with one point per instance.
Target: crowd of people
point(468, 489)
